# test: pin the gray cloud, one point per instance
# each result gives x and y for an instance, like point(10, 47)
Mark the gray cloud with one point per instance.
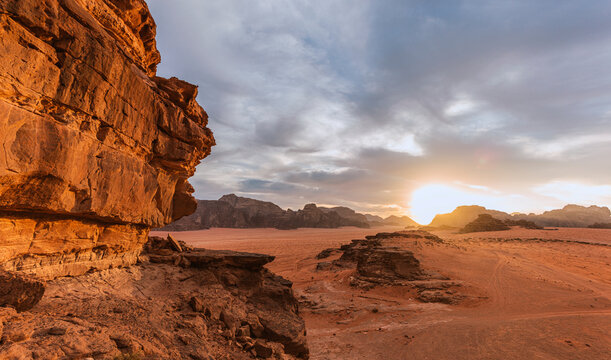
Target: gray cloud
point(363, 108)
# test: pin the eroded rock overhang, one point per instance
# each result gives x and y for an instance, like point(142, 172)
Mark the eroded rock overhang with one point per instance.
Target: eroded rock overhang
point(95, 149)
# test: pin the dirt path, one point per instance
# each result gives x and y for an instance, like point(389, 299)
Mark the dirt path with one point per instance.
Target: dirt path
point(528, 299)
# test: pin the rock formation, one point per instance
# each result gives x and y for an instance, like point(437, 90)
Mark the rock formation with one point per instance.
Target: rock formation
point(569, 216)
point(231, 211)
point(388, 259)
point(348, 216)
point(484, 222)
point(399, 221)
point(96, 149)
point(463, 215)
point(190, 304)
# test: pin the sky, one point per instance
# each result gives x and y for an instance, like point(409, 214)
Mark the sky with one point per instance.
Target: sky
point(398, 107)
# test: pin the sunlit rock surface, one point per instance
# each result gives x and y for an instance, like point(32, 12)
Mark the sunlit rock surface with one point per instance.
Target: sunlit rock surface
point(95, 149)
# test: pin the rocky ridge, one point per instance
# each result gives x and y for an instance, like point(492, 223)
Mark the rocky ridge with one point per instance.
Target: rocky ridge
point(231, 211)
point(96, 148)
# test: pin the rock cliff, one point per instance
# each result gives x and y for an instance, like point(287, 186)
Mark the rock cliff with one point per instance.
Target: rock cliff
point(95, 149)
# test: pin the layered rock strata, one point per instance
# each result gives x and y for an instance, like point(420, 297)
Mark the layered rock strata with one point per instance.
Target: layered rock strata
point(95, 149)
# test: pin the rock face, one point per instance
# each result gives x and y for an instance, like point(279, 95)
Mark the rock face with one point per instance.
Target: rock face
point(96, 149)
point(231, 211)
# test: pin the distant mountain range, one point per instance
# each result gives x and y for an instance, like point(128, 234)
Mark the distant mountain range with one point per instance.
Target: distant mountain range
point(569, 216)
point(231, 211)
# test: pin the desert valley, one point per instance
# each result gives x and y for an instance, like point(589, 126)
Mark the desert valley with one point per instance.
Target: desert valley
point(106, 253)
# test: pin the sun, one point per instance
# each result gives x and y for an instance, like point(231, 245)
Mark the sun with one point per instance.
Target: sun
point(432, 199)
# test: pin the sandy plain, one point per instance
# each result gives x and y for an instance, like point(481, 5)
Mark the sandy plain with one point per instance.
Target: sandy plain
point(528, 294)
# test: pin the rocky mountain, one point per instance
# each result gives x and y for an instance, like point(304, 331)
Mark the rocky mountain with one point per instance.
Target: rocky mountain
point(569, 216)
point(348, 216)
point(231, 211)
point(399, 221)
point(484, 222)
point(374, 218)
point(97, 149)
point(463, 215)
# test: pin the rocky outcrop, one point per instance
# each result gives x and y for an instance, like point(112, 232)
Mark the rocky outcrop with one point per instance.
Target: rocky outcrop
point(95, 148)
point(225, 305)
point(231, 211)
point(265, 310)
point(389, 259)
point(484, 222)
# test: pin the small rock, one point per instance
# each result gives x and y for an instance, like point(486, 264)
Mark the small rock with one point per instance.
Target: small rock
point(263, 350)
point(56, 330)
point(174, 244)
point(243, 331)
point(229, 320)
point(321, 266)
point(196, 304)
point(228, 334)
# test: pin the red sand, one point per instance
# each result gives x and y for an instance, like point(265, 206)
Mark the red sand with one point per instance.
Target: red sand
point(529, 299)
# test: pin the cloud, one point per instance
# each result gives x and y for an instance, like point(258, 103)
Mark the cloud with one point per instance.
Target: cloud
point(575, 193)
point(364, 108)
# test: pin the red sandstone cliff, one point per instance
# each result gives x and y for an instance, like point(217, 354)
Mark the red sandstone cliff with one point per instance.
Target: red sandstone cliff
point(94, 148)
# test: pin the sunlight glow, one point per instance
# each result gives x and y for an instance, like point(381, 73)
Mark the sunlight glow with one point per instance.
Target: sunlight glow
point(433, 199)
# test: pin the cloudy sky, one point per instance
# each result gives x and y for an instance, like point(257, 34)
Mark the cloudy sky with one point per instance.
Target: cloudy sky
point(404, 107)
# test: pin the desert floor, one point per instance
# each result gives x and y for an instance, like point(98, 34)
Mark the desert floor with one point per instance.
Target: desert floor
point(529, 294)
